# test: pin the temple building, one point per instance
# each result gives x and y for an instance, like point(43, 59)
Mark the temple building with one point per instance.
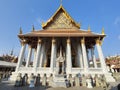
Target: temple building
point(113, 63)
point(61, 48)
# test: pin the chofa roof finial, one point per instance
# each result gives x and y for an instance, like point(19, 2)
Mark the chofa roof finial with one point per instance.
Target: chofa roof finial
point(103, 32)
point(33, 28)
point(20, 31)
point(89, 28)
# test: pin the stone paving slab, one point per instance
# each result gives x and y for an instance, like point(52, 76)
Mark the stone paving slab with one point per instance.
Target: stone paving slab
point(75, 88)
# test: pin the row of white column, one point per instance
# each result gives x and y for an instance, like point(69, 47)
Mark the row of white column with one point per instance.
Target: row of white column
point(81, 51)
point(84, 55)
point(40, 52)
point(68, 56)
point(22, 52)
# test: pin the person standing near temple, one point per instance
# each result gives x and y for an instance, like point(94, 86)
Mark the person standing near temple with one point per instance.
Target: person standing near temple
point(25, 80)
point(37, 80)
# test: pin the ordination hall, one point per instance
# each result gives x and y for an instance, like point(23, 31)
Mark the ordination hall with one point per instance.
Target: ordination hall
point(61, 49)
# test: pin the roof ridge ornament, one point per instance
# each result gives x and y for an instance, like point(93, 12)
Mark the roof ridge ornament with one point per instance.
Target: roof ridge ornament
point(33, 28)
point(103, 31)
point(89, 28)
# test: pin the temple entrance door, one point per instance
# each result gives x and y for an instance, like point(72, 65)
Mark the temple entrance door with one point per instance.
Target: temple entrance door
point(60, 63)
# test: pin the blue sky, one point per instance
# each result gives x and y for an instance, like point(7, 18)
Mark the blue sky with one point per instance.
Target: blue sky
point(24, 13)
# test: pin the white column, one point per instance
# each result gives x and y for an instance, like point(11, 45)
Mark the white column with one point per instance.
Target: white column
point(29, 56)
point(42, 55)
point(21, 55)
point(45, 60)
point(93, 57)
point(68, 57)
point(53, 55)
point(84, 55)
point(34, 57)
point(37, 54)
point(101, 57)
point(80, 55)
point(88, 61)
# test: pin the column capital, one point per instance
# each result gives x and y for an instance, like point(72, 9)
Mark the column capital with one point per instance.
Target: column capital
point(68, 41)
point(39, 40)
point(23, 42)
point(83, 41)
point(53, 41)
point(30, 46)
point(98, 42)
point(45, 64)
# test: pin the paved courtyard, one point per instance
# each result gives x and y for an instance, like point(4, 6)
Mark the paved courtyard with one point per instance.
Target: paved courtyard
point(7, 85)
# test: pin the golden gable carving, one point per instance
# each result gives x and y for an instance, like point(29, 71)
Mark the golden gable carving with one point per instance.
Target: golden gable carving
point(61, 20)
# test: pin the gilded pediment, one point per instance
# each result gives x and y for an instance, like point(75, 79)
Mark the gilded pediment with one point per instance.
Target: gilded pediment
point(61, 20)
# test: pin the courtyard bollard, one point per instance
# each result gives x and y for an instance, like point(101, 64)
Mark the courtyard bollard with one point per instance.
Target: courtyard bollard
point(25, 80)
point(37, 80)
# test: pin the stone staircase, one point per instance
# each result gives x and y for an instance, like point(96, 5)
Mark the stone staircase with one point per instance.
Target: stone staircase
point(59, 81)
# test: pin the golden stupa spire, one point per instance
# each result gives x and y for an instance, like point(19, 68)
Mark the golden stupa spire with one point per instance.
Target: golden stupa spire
point(103, 32)
point(20, 31)
point(89, 28)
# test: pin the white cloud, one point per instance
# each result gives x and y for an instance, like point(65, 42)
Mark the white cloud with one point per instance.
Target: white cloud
point(117, 21)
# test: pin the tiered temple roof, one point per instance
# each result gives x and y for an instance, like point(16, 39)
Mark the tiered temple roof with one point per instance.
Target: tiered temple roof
point(61, 25)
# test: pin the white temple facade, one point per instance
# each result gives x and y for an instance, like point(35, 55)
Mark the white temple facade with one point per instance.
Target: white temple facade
point(61, 48)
